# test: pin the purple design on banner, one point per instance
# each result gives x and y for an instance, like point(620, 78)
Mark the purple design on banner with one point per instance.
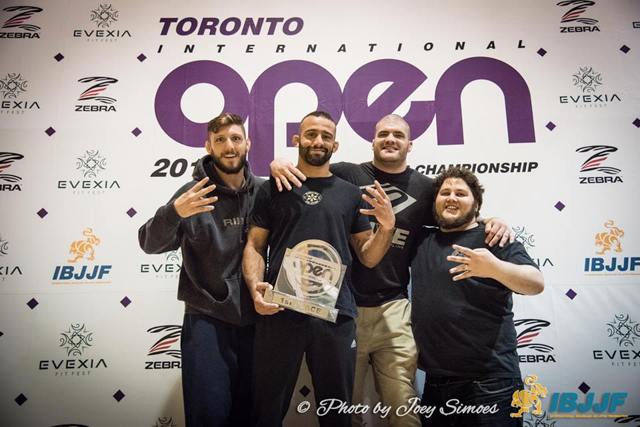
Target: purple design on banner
point(125, 302)
point(59, 57)
point(118, 396)
point(625, 48)
point(542, 52)
point(167, 103)
point(42, 213)
point(560, 206)
point(141, 57)
point(21, 399)
point(50, 131)
point(405, 80)
point(636, 123)
point(263, 95)
point(571, 294)
point(131, 212)
point(584, 388)
point(550, 126)
point(32, 303)
point(136, 132)
point(517, 99)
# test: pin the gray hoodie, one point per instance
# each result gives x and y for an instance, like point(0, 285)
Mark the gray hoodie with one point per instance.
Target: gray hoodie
point(212, 243)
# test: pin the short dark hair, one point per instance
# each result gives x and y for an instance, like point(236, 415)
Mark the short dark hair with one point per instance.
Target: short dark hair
point(467, 176)
point(318, 113)
point(224, 120)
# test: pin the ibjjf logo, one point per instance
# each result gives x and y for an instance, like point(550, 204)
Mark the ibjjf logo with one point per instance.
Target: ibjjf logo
point(104, 15)
point(623, 330)
point(609, 242)
point(76, 340)
point(9, 182)
point(587, 79)
point(575, 15)
point(167, 345)
point(610, 239)
point(312, 198)
point(12, 86)
point(19, 25)
point(528, 332)
point(94, 95)
point(528, 399)
point(91, 164)
point(82, 249)
point(598, 155)
point(165, 422)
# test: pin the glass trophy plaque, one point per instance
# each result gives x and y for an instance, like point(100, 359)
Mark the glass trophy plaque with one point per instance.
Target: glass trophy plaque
point(309, 280)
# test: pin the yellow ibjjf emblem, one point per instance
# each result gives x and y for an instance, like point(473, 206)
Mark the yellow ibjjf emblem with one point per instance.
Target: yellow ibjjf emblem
point(526, 399)
point(609, 239)
point(82, 247)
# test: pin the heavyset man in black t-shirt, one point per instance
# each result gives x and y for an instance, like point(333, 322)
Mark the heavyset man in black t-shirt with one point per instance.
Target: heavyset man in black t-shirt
point(383, 325)
point(462, 319)
point(325, 208)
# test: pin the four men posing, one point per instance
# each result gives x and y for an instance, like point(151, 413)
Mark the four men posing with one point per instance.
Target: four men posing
point(325, 208)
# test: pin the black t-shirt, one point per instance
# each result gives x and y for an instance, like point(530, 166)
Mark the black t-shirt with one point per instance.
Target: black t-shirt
point(463, 328)
point(411, 195)
point(324, 208)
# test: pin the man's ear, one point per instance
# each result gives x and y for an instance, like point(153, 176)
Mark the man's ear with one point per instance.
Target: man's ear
point(295, 140)
point(336, 144)
point(207, 146)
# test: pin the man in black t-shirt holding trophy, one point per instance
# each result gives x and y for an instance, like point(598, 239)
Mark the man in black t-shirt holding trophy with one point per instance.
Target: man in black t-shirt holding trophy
point(308, 231)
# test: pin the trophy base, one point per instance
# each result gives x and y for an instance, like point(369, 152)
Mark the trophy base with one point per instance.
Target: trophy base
point(301, 305)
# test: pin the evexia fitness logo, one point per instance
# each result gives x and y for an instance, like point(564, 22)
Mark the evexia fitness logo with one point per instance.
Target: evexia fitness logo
point(597, 163)
point(530, 348)
point(94, 99)
point(589, 82)
point(104, 16)
point(82, 250)
point(9, 181)
point(19, 24)
point(7, 271)
point(624, 332)
point(167, 345)
point(528, 240)
point(576, 18)
point(74, 342)
point(608, 243)
point(165, 270)
point(165, 422)
point(11, 88)
point(89, 165)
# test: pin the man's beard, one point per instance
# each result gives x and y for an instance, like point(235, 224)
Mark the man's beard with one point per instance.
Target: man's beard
point(234, 168)
point(458, 222)
point(314, 159)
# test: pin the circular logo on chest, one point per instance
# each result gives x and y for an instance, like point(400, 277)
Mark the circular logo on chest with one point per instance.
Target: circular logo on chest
point(312, 197)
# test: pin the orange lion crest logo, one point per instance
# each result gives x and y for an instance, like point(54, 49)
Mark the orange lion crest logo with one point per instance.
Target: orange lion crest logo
point(526, 399)
point(82, 247)
point(609, 239)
